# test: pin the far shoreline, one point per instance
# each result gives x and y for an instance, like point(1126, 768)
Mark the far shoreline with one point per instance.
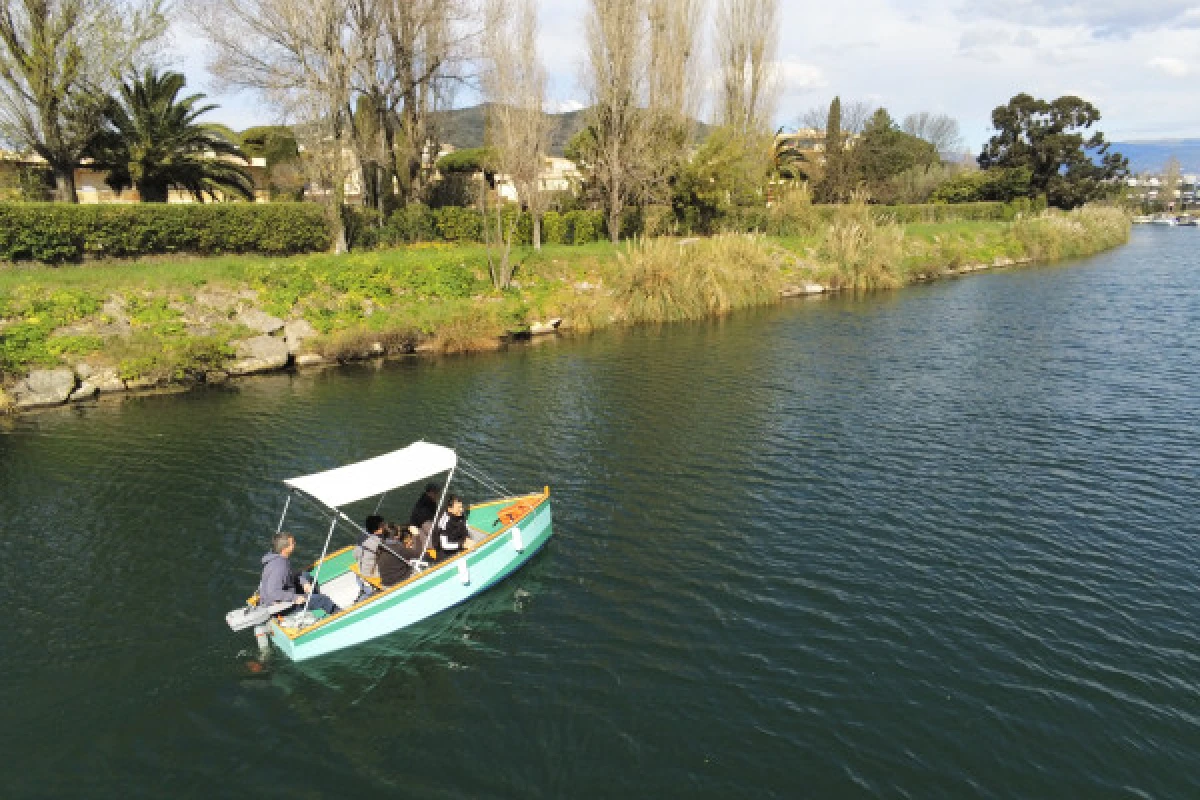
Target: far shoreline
point(799, 284)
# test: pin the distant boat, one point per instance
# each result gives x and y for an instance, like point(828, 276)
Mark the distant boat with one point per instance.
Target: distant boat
point(1143, 219)
point(1188, 222)
point(1163, 220)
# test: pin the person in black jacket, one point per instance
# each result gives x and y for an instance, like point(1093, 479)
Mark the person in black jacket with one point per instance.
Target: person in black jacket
point(425, 508)
point(394, 555)
point(451, 529)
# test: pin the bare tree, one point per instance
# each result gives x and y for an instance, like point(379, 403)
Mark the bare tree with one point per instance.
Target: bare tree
point(303, 58)
point(747, 38)
point(939, 130)
point(673, 90)
point(514, 83)
point(618, 125)
point(673, 33)
point(855, 116)
point(422, 58)
point(58, 60)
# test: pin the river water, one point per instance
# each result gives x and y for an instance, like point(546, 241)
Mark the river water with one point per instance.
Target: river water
point(941, 542)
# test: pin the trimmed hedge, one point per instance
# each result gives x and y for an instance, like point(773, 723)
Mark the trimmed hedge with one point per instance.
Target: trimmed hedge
point(57, 232)
point(417, 223)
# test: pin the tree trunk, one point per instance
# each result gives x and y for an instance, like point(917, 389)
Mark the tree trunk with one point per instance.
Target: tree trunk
point(64, 184)
point(614, 218)
point(152, 192)
point(537, 230)
point(337, 219)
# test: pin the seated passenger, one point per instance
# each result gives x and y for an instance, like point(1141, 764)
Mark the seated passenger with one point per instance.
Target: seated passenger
point(394, 555)
point(425, 508)
point(280, 585)
point(368, 547)
point(452, 534)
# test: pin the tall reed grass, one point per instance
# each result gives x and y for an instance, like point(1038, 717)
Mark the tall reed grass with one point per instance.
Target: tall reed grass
point(864, 250)
point(1054, 235)
point(664, 280)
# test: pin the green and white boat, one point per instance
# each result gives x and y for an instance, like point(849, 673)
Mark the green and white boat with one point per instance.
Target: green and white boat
point(506, 532)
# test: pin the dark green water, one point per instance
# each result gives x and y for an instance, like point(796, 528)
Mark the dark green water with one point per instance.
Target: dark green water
point(935, 543)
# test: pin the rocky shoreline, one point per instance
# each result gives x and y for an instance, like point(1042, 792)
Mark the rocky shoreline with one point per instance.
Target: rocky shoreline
point(279, 345)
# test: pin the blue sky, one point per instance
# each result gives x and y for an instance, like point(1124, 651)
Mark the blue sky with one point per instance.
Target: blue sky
point(1139, 62)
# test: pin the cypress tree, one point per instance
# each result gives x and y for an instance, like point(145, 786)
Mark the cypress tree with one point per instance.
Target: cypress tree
point(834, 188)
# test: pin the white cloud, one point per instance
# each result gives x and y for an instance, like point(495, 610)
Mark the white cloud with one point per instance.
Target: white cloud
point(958, 57)
point(1175, 67)
point(797, 77)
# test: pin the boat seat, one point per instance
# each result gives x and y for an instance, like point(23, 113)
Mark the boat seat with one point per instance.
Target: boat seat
point(377, 582)
point(342, 590)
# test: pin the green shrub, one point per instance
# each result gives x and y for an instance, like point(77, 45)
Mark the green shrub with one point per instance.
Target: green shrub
point(984, 185)
point(413, 223)
point(658, 220)
point(55, 233)
point(942, 212)
point(458, 224)
point(554, 228)
point(584, 226)
point(363, 227)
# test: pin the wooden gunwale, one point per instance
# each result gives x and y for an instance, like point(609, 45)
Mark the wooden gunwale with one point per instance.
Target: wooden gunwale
point(294, 634)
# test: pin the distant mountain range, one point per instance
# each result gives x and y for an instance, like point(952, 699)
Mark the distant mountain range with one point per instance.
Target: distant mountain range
point(464, 127)
point(1151, 155)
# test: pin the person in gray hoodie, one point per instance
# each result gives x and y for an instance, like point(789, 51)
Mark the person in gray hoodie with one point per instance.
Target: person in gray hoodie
point(280, 585)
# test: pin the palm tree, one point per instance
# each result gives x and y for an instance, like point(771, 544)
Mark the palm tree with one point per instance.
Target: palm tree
point(152, 142)
point(787, 160)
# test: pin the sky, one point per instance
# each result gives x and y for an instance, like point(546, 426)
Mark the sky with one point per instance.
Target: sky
point(1138, 61)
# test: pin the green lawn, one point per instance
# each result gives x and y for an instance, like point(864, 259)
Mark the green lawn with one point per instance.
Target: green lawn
point(164, 324)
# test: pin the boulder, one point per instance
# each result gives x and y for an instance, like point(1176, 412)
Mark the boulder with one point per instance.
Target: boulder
point(296, 331)
point(259, 321)
point(83, 370)
point(134, 384)
point(44, 387)
point(216, 376)
point(542, 328)
point(309, 360)
point(802, 289)
point(107, 381)
point(6, 402)
point(260, 354)
point(86, 391)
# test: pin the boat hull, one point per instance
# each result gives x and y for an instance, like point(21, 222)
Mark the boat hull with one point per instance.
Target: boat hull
point(430, 593)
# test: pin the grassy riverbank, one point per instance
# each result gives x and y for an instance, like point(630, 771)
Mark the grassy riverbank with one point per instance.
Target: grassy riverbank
point(159, 321)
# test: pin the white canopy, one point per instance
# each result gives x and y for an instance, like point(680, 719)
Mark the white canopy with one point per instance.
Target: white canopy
point(343, 485)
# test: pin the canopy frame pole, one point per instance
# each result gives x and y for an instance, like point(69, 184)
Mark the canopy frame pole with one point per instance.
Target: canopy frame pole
point(351, 523)
point(317, 572)
point(379, 505)
point(283, 516)
point(437, 513)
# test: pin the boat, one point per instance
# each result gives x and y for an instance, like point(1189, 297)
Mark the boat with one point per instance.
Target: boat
point(1187, 221)
point(1143, 219)
point(506, 531)
point(1163, 220)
